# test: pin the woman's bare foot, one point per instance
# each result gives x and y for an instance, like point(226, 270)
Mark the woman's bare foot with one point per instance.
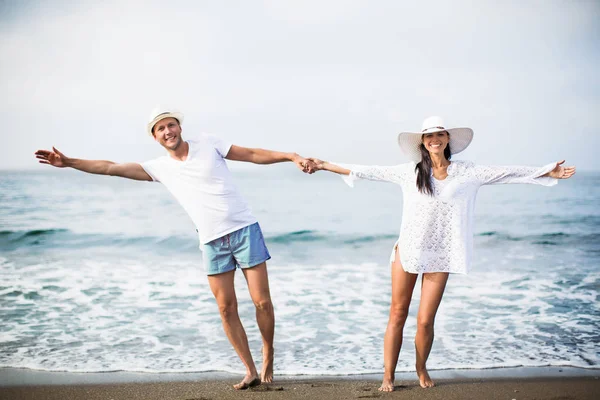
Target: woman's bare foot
point(424, 379)
point(248, 382)
point(387, 385)
point(266, 375)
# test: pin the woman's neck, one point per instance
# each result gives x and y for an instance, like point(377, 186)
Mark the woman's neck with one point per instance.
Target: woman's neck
point(438, 161)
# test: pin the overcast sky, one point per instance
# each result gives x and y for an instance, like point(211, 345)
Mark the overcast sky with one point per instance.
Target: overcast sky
point(331, 79)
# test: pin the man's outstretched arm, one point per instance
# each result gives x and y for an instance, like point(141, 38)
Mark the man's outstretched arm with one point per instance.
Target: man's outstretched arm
point(100, 167)
point(262, 156)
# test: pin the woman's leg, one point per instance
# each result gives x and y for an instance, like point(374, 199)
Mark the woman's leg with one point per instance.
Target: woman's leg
point(403, 284)
point(223, 289)
point(432, 290)
point(258, 285)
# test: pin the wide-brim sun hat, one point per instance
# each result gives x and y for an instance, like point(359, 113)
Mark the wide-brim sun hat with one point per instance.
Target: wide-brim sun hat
point(409, 142)
point(161, 113)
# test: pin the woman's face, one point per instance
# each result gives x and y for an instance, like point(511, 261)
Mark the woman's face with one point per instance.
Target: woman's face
point(436, 142)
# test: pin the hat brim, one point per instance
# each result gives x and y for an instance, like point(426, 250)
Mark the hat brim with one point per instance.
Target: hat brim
point(409, 142)
point(177, 115)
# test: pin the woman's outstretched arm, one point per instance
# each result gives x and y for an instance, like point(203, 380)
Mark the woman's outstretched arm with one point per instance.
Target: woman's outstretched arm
point(546, 175)
point(321, 165)
point(397, 174)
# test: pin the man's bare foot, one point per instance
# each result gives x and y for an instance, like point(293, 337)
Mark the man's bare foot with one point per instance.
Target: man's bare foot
point(266, 375)
point(424, 379)
point(248, 382)
point(387, 385)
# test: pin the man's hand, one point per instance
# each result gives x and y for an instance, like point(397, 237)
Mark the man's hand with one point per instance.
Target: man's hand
point(560, 172)
point(304, 164)
point(315, 165)
point(54, 158)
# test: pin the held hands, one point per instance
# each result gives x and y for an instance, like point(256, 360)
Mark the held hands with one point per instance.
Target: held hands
point(306, 165)
point(54, 158)
point(560, 172)
point(316, 165)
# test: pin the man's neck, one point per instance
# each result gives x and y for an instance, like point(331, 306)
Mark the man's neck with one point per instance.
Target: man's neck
point(181, 152)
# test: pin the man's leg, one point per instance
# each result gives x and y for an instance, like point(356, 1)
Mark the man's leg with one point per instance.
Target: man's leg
point(222, 286)
point(258, 285)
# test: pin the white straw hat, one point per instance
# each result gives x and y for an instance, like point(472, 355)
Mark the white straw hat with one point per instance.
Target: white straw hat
point(161, 113)
point(409, 142)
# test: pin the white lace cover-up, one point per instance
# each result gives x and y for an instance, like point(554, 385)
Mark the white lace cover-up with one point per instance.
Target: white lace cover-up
point(436, 233)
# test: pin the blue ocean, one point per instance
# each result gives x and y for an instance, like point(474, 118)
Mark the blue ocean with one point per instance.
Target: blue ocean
point(104, 274)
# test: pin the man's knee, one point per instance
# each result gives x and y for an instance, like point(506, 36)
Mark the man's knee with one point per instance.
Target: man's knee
point(264, 305)
point(228, 309)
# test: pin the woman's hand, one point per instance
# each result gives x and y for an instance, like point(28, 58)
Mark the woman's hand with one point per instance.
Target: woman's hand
point(560, 172)
point(320, 165)
point(54, 158)
point(317, 165)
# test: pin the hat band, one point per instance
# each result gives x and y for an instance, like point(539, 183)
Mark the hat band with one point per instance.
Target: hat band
point(433, 127)
point(163, 113)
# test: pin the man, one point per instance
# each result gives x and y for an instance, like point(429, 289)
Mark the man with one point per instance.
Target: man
point(196, 173)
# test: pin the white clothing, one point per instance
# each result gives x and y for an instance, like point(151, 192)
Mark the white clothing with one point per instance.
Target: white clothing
point(203, 185)
point(436, 233)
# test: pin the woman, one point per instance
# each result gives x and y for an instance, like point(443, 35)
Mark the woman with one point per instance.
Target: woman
point(436, 234)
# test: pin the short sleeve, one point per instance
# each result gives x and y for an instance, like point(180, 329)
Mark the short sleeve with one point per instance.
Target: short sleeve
point(219, 144)
point(152, 168)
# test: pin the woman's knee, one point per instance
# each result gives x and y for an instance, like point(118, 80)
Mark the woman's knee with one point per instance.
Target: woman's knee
point(398, 315)
point(425, 324)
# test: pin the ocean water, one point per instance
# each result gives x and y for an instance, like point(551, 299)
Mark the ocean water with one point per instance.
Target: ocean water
point(104, 274)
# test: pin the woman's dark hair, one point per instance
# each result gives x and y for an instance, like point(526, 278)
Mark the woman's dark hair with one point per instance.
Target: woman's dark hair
point(423, 169)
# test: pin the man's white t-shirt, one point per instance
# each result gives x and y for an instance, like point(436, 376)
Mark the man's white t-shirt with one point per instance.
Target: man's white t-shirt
point(203, 185)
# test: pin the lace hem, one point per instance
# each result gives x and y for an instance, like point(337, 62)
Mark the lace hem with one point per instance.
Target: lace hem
point(545, 180)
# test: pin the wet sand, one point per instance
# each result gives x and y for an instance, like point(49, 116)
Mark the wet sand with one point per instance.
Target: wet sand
point(566, 388)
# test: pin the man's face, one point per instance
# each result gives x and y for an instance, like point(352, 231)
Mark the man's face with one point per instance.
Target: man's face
point(167, 132)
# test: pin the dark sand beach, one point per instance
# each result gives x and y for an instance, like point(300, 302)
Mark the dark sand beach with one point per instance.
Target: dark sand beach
point(587, 388)
point(557, 384)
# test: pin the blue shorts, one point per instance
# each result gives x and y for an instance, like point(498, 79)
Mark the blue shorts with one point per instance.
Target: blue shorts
point(243, 248)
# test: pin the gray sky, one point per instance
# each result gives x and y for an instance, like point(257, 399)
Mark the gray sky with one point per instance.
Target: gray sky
point(326, 78)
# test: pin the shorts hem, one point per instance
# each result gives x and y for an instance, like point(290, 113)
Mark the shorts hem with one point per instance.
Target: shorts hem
point(231, 268)
point(254, 263)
